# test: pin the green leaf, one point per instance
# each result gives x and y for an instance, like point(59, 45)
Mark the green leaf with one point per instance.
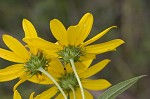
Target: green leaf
point(117, 89)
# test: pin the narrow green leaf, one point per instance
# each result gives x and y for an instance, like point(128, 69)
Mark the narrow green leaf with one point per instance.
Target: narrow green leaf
point(117, 89)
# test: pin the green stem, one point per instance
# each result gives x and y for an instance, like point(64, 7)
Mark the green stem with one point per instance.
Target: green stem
point(78, 79)
point(48, 75)
point(74, 94)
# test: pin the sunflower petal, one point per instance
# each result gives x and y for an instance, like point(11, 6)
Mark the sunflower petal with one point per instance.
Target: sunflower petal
point(55, 63)
point(59, 31)
point(40, 80)
point(88, 56)
point(23, 79)
point(59, 96)
point(87, 63)
point(94, 69)
point(104, 47)
point(79, 96)
point(48, 93)
point(84, 27)
point(28, 28)
point(88, 95)
point(80, 67)
point(10, 56)
point(71, 35)
point(99, 84)
point(16, 47)
point(31, 96)
point(17, 95)
point(11, 72)
point(98, 36)
point(68, 68)
point(42, 44)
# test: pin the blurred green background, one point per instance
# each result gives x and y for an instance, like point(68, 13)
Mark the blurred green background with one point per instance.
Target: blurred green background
point(131, 16)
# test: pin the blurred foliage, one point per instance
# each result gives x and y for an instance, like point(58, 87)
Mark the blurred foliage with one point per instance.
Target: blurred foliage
point(131, 17)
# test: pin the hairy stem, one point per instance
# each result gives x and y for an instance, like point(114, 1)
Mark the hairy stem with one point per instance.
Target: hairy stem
point(78, 79)
point(49, 76)
point(74, 94)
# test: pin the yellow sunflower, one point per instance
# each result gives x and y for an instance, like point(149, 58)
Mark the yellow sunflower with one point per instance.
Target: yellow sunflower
point(68, 82)
point(71, 42)
point(17, 95)
point(26, 63)
point(70, 46)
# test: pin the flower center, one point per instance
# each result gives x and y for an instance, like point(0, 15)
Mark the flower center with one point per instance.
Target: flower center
point(66, 80)
point(35, 62)
point(70, 52)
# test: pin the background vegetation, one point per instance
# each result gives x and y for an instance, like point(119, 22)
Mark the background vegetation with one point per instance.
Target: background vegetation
point(131, 16)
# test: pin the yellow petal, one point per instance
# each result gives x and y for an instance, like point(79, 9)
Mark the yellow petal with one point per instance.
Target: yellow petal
point(31, 96)
point(88, 56)
point(33, 49)
point(10, 56)
point(11, 72)
point(54, 72)
point(55, 63)
point(35, 79)
point(68, 68)
point(78, 93)
point(79, 96)
point(94, 69)
point(42, 44)
point(99, 84)
point(59, 96)
point(23, 79)
point(28, 28)
point(104, 47)
point(48, 93)
point(98, 36)
point(84, 27)
point(80, 67)
point(87, 63)
point(17, 95)
point(16, 47)
point(72, 35)
point(59, 31)
point(88, 95)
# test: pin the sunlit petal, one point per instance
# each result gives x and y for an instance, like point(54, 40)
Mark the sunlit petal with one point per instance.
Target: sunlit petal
point(98, 84)
point(59, 31)
point(84, 27)
point(16, 47)
point(23, 79)
point(17, 95)
point(28, 28)
point(94, 69)
point(55, 63)
point(104, 47)
point(42, 44)
point(10, 56)
point(47, 94)
point(11, 72)
point(31, 96)
point(35, 79)
point(59, 96)
point(98, 36)
point(72, 35)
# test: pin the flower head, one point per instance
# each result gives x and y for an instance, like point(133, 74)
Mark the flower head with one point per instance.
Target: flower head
point(68, 82)
point(26, 63)
point(73, 39)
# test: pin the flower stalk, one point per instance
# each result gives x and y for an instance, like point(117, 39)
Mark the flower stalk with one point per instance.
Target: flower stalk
point(49, 76)
point(78, 79)
point(74, 94)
